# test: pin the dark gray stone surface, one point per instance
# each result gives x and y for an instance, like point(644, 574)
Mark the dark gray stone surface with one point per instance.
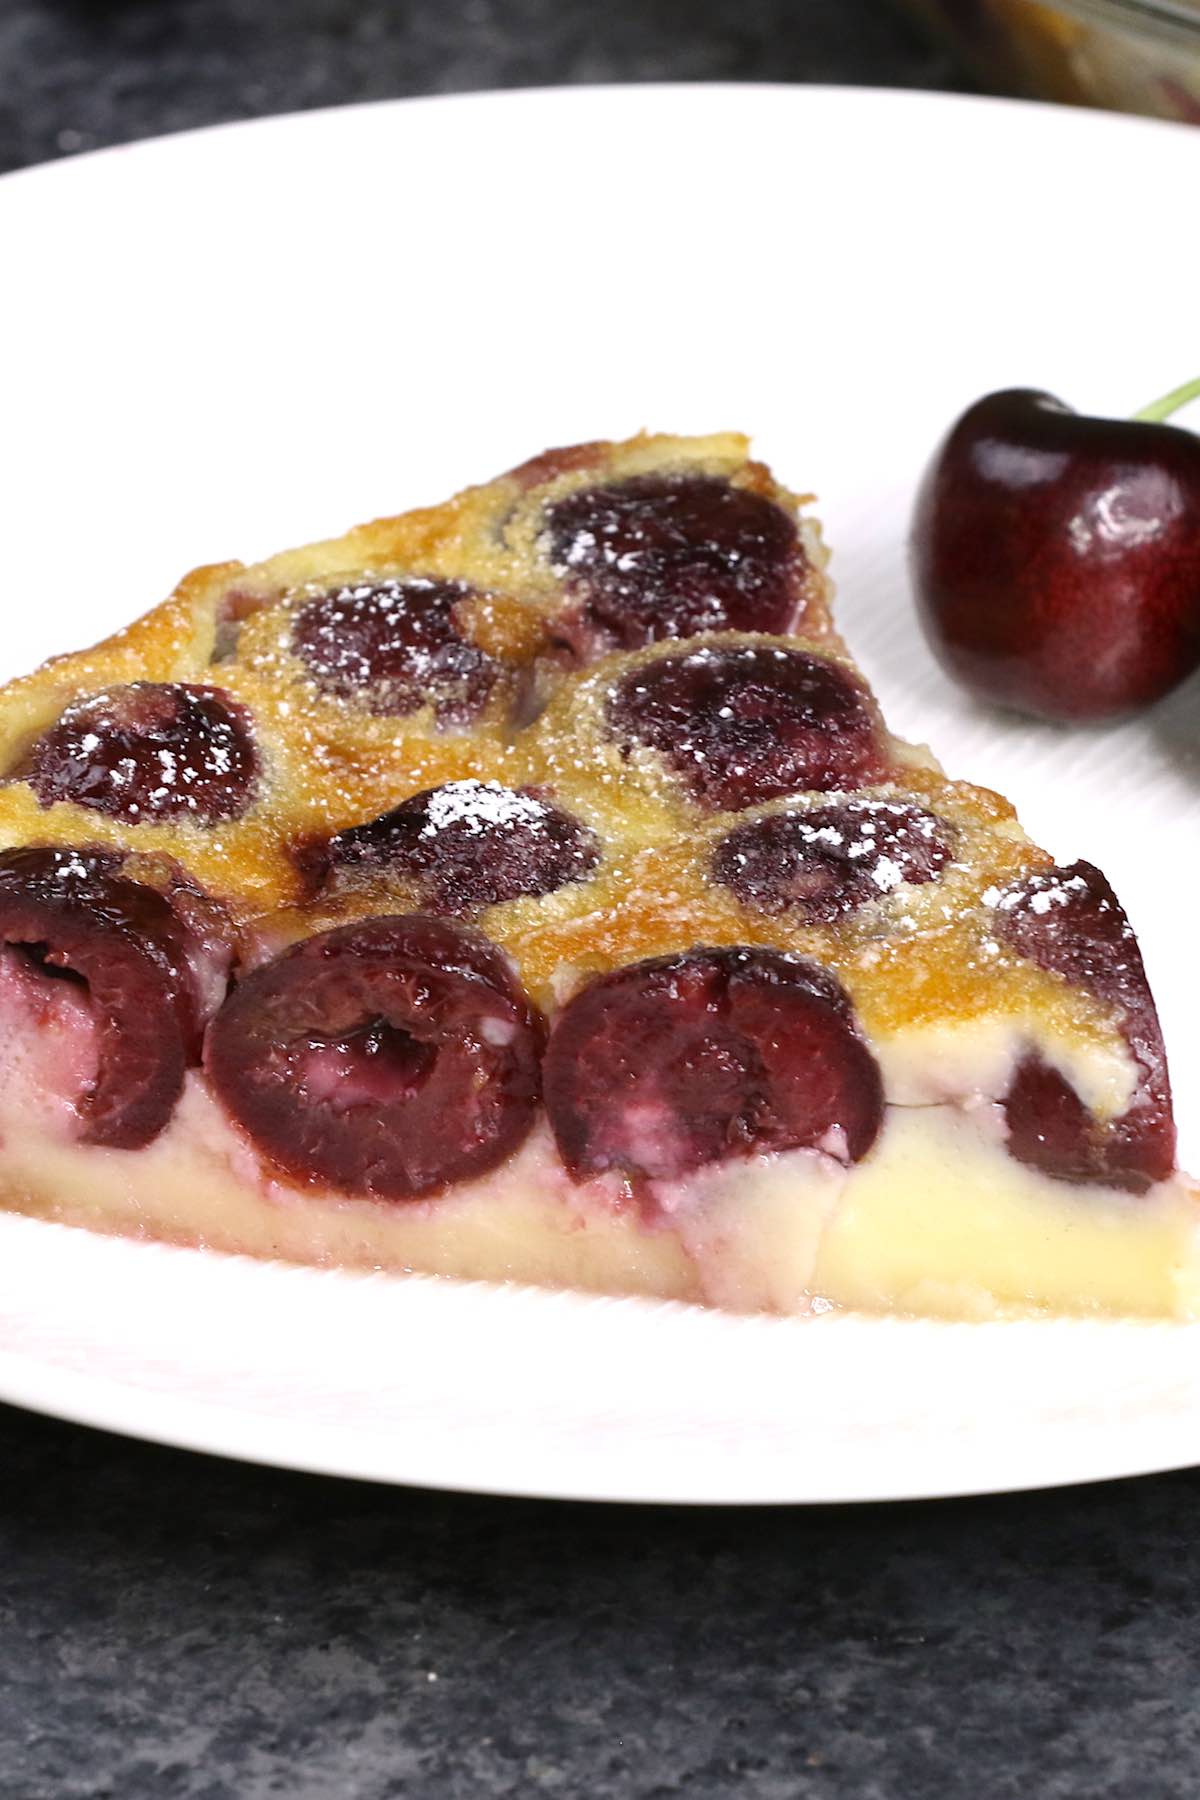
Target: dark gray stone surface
point(78, 73)
point(173, 1628)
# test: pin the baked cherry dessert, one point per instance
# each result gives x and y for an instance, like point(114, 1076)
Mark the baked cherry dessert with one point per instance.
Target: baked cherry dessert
point(462, 846)
point(667, 556)
point(529, 889)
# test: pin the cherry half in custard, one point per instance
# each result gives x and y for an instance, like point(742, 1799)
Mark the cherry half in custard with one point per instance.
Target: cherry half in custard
point(747, 722)
point(467, 844)
point(1069, 921)
point(668, 556)
point(1056, 557)
point(149, 751)
point(393, 647)
point(145, 979)
point(660, 1068)
point(389, 1058)
point(817, 864)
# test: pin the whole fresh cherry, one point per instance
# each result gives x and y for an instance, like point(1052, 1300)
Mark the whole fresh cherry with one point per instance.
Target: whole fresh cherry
point(1056, 557)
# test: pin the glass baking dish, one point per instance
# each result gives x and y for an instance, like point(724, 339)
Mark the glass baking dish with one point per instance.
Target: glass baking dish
point(1135, 55)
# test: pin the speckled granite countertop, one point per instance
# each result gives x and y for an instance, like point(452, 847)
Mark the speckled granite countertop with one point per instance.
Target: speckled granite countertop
point(78, 73)
point(173, 1628)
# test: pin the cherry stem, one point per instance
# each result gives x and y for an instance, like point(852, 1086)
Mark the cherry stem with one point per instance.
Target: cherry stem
point(1170, 403)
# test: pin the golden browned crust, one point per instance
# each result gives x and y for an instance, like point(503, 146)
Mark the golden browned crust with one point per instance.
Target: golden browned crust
point(915, 956)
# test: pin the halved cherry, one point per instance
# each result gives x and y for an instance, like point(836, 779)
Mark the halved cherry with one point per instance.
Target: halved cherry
point(147, 979)
point(817, 864)
point(390, 1058)
point(1069, 921)
point(148, 751)
point(394, 646)
point(660, 1068)
point(743, 723)
point(469, 844)
point(667, 556)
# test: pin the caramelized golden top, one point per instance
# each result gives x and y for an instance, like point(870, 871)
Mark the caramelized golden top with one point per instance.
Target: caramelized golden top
point(508, 636)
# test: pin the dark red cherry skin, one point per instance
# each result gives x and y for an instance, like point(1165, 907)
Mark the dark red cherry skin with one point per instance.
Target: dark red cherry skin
point(747, 722)
point(818, 863)
point(466, 845)
point(149, 978)
point(387, 1059)
point(1069, 921)
point(668, 556)
point(663, 1067)
point(149, 751)
point(1056, 557)
point(392, 647)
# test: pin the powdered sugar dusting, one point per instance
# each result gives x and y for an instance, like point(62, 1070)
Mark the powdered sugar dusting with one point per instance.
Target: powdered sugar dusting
point(468, 844)
point(149, 750)
point(479, 807)
point(818, 862)
point(1041, 892)
point(666, 556)
point(743, 723)
point(393, 647)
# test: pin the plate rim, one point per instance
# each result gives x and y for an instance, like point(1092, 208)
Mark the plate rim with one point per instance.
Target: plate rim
point(274, 1438)
point(95, 1401)
point(930, 99)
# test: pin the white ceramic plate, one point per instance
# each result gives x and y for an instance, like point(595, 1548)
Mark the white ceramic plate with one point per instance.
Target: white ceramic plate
point(227, 342)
